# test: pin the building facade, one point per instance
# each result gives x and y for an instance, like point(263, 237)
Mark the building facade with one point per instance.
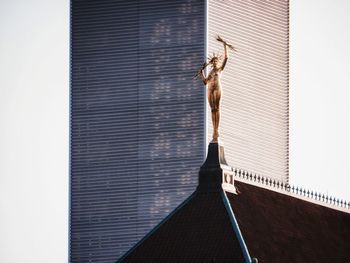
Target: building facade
point(255, 101)
point(138, 117)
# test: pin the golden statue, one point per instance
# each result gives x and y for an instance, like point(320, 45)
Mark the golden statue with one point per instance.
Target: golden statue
point(214, 85)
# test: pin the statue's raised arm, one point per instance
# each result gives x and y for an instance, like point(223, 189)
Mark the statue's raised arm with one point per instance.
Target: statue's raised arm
point(212, 81)
point(226, 45)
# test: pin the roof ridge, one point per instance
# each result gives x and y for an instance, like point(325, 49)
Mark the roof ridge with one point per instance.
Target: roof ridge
point(292, 190)
point(236, 228)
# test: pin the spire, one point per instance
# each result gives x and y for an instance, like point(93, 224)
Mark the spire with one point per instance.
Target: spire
point(204, 227)
point(215, 174)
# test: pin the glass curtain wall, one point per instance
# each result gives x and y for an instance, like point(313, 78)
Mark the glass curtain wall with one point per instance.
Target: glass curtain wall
point(137, 119)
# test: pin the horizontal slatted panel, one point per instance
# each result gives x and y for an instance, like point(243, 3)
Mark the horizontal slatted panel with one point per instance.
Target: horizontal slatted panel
point(254, 121)
point(137, 119)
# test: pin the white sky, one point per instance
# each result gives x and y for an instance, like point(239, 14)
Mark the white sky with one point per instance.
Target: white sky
point(320, 95)
point(34, 128)
point(34, 99)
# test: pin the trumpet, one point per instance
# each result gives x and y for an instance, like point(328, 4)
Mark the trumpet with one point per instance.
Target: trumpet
point(218, 38)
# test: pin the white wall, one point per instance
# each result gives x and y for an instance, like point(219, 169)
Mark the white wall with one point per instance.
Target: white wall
point(34, 130)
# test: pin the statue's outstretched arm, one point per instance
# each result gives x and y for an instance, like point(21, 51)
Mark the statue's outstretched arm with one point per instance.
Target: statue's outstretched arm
point(225, 57)
point(201, 74)
point(226, 45)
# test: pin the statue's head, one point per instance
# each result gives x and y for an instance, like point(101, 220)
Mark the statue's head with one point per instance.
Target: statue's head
point(215, 61)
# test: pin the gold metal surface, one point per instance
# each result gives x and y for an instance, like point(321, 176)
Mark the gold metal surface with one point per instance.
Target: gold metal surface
point(212, 81)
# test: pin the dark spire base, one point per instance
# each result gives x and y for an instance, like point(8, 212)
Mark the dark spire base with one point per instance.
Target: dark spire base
point(215, 174)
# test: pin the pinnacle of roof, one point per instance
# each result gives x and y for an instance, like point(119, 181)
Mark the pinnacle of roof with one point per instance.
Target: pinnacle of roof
point(215, 174)
point(201, 229)
point(209, 226)
point(198, 230)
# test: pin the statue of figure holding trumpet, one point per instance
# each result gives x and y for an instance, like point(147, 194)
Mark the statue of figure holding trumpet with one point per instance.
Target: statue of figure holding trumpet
point(212, 80)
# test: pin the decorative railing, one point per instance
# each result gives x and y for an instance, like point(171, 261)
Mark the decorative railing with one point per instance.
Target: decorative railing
point(279, 185)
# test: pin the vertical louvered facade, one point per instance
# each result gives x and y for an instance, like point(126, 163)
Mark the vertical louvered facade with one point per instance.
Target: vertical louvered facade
point(137, 119)
point(254, 122)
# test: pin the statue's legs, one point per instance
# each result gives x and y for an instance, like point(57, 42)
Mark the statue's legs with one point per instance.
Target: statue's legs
point(215, 116)
point(214, 102)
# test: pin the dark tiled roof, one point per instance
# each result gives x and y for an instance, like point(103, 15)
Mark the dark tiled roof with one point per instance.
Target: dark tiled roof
point(199, 230)
point(280, 228)
point(276, 227)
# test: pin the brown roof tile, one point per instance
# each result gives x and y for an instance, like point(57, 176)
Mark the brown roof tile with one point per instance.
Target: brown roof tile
point(280, 228)
point(199, 231)
point(276, 227)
